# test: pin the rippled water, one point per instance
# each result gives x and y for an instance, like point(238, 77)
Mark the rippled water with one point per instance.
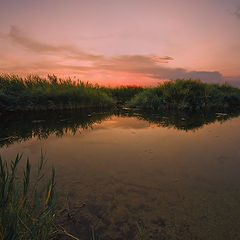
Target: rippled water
point(171, 176)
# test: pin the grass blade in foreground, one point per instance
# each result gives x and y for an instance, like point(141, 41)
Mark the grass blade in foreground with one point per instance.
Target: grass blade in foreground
point(25, 213)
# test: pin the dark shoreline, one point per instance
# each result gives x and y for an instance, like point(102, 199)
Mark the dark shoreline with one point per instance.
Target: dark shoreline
point(39, 94)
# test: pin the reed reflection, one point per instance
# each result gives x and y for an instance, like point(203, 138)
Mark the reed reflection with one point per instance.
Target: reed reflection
point(24, 126)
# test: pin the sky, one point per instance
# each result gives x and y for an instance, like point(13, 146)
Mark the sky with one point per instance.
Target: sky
point(122, 42)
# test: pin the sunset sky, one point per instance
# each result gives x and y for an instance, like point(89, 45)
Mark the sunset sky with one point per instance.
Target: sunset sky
point(119, 42)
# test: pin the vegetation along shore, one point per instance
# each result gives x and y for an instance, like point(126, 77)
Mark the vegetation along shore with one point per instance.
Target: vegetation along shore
point(52, 93)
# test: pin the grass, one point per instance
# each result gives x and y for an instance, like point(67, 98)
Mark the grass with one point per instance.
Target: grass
point(35, 93)
point(188, 95)
point(123, 94)
point(26, 212)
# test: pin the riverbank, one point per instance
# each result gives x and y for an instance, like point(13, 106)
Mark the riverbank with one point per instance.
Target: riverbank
point(37, 94)
point(188, 95)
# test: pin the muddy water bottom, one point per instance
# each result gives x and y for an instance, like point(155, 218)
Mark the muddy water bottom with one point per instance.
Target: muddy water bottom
point(133, 176)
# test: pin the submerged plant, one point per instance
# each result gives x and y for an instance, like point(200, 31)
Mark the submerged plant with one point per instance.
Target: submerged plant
point(25, 211)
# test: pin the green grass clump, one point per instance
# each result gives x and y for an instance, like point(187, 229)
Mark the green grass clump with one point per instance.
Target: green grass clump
point(25, 212)
point(35, 93)
point(188, 95)
point(123, 93)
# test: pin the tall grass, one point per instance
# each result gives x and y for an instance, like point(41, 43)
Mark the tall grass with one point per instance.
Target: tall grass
point(188, 95)
point(124, 93)
point(25, 212)
point(34, 93)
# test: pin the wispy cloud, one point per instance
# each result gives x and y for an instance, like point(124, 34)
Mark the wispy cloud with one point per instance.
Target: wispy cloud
point(100, 37)
point(237, 12)
point(151, 66)
point(72, 52)
point(19, 37)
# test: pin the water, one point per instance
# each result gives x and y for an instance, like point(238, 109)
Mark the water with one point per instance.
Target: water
point(168, 176)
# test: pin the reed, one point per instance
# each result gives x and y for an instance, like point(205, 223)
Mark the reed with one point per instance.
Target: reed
point(35, 93)
point(25, 211)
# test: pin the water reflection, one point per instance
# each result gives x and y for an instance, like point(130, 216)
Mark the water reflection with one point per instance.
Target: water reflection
point(24, 126)
point(184, 121)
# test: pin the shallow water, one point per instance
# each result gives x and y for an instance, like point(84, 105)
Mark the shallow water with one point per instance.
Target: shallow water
point(171, 176)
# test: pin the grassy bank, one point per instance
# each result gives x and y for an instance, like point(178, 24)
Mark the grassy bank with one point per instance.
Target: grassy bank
point(35, 93)
point(52, 93)
point(188, 95)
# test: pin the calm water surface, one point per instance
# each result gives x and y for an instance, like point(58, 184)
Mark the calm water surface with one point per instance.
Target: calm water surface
point(175, 177)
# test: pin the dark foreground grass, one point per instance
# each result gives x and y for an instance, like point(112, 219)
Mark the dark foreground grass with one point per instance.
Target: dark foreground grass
point(25, 212)
point(188, 95)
